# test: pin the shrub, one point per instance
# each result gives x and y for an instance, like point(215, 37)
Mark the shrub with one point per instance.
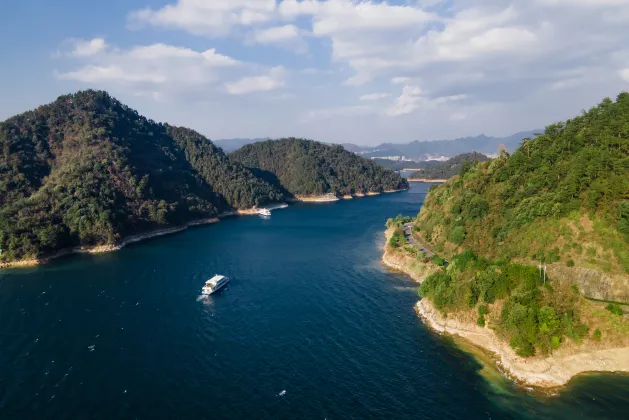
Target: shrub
point(597, 335)
point(481, 321)
point(457, 235)
point(614, 308)
point(570, 263)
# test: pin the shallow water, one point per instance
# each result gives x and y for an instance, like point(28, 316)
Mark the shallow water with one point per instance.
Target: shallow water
point(310, 310)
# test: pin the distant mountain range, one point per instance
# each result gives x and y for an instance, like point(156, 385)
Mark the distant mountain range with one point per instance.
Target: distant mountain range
point(230, 145)
point(416, 150)
point(439, 149)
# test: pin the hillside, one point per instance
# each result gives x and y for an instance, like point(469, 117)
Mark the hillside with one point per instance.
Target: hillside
point(562, 199)
point(306, 167)
point(88, 170)
point(535, 241)
point(449, 168)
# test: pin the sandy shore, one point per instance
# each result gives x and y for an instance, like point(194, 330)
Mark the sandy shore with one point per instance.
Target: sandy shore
point(426, 180)
point(543, 372)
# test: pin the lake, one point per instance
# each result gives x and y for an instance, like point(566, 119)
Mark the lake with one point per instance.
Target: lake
point(310, 311)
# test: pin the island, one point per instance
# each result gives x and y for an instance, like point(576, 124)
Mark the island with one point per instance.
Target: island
point(527, 255)
point(313, 171)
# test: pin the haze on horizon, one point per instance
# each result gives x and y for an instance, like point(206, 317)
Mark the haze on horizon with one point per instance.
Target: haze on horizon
point(363, 72)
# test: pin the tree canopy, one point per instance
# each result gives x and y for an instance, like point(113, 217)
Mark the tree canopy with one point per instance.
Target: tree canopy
point(306, 167)
point(87, 170)
point(562, 197)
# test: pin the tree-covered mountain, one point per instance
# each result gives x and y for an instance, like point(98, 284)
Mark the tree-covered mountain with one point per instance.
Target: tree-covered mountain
point(306, 167)
point(561, 199)
point(449, 168)
point(530, 236)
point(87, 170)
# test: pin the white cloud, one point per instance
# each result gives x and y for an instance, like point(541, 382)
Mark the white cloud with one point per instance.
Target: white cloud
point(375, 96)
point(206, 17)
point(413, 98)
point(346, 111)
point(407, 102)
point(287, 36)
point(277, 34)
point(489, 65)
point(589, 3)
point(459, 116)
point(84, 48)
point(274, 80)
point(151, 64)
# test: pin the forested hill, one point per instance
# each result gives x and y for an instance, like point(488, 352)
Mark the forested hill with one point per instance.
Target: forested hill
point(87, 170)
point(450, 167)
point(306, 167)
point(561, 198)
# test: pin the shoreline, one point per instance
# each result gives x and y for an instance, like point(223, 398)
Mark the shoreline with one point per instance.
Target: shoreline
point(330, 197)
point(541, 372)
point(99, 249)
point(426, 180)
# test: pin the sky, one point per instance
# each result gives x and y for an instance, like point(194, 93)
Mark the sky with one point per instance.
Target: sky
point(358, 71)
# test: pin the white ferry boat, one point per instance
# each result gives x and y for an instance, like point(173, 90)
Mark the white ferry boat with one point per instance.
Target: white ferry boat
point(215, 284)
point(264, 212)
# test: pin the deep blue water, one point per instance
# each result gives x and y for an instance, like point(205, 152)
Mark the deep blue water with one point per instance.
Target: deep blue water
point(310, 310)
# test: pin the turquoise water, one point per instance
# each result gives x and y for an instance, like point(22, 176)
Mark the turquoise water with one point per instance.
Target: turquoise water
point(310, 310)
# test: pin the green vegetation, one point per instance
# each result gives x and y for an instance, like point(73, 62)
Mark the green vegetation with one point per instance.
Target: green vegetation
point(88, 170)
point(560, 196)
point(533, 318)
point(399, 221)
point(460, 164)
point(305, 167)
point(615, 309)
point(397, 239)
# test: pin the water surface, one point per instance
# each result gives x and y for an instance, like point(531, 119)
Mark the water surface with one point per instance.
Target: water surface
point(310, 310)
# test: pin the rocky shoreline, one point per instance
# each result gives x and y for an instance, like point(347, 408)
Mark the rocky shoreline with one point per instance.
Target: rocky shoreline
point(327, 198)
point(426, 180)
point(541, 372)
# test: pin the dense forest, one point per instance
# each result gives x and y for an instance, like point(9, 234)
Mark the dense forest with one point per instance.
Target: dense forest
point(450, 167)
point(306, 167)
point(561, 200)
point(87, 170)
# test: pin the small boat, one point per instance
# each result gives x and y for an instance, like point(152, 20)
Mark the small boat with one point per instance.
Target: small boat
point(215, 284)
point(264, 212)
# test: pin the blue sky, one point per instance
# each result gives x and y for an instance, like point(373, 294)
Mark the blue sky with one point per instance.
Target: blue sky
point(355, 71)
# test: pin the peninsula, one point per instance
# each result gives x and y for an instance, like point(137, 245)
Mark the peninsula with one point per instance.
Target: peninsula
point(536, 244)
